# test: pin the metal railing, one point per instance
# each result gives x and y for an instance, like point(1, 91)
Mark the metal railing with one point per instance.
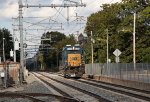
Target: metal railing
point(127, 71)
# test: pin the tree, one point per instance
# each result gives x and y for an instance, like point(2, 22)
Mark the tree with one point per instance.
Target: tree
point(118, 19)
point(50, 55)
point(8, 44)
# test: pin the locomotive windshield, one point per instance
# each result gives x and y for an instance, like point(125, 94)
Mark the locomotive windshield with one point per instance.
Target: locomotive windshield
point(74, 51)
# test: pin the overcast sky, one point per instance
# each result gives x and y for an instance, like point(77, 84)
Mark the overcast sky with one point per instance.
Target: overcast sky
point(9, 9)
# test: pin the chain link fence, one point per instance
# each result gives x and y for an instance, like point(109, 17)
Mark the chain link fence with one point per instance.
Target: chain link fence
point(126, 71)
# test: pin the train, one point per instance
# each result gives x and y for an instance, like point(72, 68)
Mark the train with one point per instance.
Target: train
point(73, 61)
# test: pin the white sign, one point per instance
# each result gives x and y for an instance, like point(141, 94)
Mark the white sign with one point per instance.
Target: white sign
point(2, 74)
point(16, 45)
point(117, 52)
point(11, 53)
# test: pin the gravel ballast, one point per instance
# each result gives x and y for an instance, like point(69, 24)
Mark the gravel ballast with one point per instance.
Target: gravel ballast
point(110, 95)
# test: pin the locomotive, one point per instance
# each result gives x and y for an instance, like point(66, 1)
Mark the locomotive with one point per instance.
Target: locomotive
point(73, 61)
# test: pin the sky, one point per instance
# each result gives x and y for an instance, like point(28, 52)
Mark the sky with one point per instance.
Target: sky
point(49, 19)
point(9, 9)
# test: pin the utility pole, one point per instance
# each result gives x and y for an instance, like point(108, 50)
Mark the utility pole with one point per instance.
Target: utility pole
point(14, 39)
point(14, 45)
point(134, 56)
point(4, 49)
point(107, 45)
point(134, 59)
point(92, 47)
point(21, 40)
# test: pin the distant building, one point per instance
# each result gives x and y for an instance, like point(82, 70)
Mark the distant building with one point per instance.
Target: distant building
point(80, 39)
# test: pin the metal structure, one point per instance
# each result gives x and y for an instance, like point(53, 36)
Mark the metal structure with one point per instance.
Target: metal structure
point(14, 38)
point(21, 39)
point(21, 6)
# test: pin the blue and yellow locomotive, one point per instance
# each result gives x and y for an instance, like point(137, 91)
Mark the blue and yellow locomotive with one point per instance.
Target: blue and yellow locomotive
point(73, 61)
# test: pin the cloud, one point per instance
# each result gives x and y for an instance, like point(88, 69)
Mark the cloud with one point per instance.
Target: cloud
point(8, 9)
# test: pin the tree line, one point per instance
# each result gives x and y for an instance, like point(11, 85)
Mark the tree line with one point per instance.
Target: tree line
point(8, 45)
point(50, 50)
point(118, 18)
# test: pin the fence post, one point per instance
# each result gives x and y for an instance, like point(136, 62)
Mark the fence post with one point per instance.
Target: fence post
point(138, 72)
point(119, 69)
point(126, 72)
point(147, 74)
point(134, 72)
point(142, 73)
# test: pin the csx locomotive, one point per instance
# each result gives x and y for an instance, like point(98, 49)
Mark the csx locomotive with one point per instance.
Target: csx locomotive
point(73, 61)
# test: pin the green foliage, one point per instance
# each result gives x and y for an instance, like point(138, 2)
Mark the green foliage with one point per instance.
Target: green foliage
point(118, 19)
point(51, 54)
point(8, 44)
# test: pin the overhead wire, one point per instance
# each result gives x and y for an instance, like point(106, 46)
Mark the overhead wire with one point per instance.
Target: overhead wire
point(92, 2)
point(49, 18)
point(89, 4)
point(46, 19)
point(54, 16)
point(58, 13)
point(42, 20)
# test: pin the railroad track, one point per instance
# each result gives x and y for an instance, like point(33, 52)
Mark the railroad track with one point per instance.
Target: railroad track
point(118, 86)
point(66, 98)
point(30, 96)
point(131, 92)
point(99, 98)
point(137, 93)
point(143, 92)
point(140, 94)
